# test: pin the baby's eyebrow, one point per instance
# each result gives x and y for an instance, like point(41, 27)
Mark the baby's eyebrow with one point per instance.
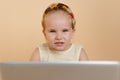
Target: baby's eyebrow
point(65, 29)
point(52, 29)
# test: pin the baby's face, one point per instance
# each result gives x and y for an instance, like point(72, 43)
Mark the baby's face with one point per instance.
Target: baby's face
point(58, 30)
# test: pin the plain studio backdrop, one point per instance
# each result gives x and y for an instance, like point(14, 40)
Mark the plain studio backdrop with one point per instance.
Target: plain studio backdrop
point(97, 28)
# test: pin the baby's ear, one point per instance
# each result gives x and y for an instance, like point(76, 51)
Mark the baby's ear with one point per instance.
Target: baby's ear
point(73, 30)
point(42, 23)
point(43, 32)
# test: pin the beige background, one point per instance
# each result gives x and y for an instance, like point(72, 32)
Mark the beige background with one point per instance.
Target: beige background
point(98, 27)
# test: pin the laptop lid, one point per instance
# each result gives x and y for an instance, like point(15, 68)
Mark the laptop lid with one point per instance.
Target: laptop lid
point(86, 70)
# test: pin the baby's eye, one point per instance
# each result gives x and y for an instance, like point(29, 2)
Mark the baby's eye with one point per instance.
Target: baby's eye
point(65, 30)
point(52, 31)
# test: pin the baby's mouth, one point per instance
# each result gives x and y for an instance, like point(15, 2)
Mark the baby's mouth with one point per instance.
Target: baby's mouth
point(59, 43)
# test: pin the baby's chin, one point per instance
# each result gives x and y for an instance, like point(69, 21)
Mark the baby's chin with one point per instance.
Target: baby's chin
point(59, 47)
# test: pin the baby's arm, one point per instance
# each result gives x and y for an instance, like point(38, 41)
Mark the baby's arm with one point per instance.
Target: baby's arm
point(35, 55)
point(83, 55)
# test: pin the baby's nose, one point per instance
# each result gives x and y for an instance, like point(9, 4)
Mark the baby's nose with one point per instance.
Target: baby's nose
point(59, 36)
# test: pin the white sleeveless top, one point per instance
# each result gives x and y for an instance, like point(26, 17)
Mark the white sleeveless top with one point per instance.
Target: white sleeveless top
point(72, 54)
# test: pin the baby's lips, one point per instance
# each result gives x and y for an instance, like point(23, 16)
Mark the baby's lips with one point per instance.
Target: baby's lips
point(59, 42)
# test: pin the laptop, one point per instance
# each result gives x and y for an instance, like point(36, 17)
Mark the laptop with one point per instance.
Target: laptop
point(84, 70)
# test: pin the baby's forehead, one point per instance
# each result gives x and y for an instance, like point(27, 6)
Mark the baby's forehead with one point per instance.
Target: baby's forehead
point(58, 16)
